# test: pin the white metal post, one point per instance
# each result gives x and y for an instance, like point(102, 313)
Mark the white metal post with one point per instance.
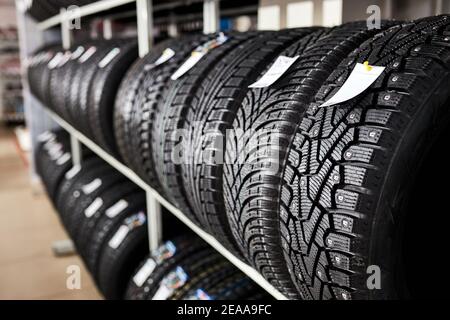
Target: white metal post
point(144, 15)
point(75, 150)
point(154, 221)
point(107, 29)
point(65, 29)
point(145, 41)
point(210, 16)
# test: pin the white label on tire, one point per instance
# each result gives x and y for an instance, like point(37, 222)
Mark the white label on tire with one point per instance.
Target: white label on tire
point(278, 68)
point(93, 207)
point(117, 208)
point(63, 159)
point(55, 61)
point(198, 54)
point(45, 136)
point(89, 53)
point(163, 293)
point(145, 272)
point(109, 57)
point(359, 80)
point(64, 59)
point(165, 56)
point(73, 172)
point(77, 53)
point(119, 236)
point(92, 186)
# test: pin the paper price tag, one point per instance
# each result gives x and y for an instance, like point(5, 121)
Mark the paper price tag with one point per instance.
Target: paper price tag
point(188, 64)
point(198, 54)
point(117, 208)
point(361, 78)
point(145, 272)
point(93, 207)
point(77, 53)
point(278, 68)
point(89, 53)
point(55, 61)
point(64, 59)
point(92, 186)
point(165, 56)
point(73, 172)
point(119, 236)
point(109, 57)
point(163, 293)
point(63, 159)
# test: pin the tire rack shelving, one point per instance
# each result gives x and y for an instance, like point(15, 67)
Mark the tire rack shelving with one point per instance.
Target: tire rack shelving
point(153, 198)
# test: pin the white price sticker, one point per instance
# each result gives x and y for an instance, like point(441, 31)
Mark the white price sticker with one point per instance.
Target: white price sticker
point(109, 57)
point(55, 61)
point(146, 270)
point(73, 172)
point(198, 54)
point(119, 236)
point(89, 53)
point(77, 53)
point(117, 208)
point(361, 78)
point(165, 56)
point(278, 68)
point(63, 159)
point(92, 186)
point(93, 207)
point(163, 293)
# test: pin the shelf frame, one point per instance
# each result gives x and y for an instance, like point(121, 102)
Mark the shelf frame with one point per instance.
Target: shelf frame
point(245, 268)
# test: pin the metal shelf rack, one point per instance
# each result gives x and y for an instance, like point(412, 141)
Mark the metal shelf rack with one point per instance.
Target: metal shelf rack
point(144, 10)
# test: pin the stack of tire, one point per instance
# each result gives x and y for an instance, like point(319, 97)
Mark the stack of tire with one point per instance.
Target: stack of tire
point(186, 268)
point(313, 197)
point(102, 211)
point(80, 84)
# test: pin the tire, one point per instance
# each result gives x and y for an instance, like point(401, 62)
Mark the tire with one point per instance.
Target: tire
point(126, 99)
point(165, 258)
point(180, 96)
point(76, 214)
point(103, 94)
point(116, 265)
point(68, 181)
point(263, 129)
point(359, 187)
point(218, 98)
point(108, 197)
point(190, 266)
point(82, 83)
point(67, 202)
point(105, 226)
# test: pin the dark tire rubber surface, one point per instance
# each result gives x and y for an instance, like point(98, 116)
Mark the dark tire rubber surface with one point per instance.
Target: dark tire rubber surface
point(263, 129)
point(218, 98)
point(358, 167)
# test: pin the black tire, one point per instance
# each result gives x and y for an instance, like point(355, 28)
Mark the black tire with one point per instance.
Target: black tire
point(67, 202)
point(371, 150)
point(179, 97)
point(190, 266)
point(81, 85)
point(126, 99)
point(149, 100)
point(69, 180)
point(218, 98)
point(103, 94)
point(165, 258)
point(116, 265)
point(262, 126)
point(76, 215)
point(109, 196)
point(104, 228)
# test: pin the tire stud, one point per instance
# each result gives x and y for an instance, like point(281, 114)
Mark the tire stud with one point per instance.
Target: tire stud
point(395, 79)
point(345, 223)
point(337, 259)
point(372, 134)
point(387, 97)
point(340, 198)
point(348, 155)
point(336, 177)
point(330, 242)
point(345, 296)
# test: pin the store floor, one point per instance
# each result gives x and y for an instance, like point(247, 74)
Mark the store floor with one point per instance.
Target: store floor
point(28, 227)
